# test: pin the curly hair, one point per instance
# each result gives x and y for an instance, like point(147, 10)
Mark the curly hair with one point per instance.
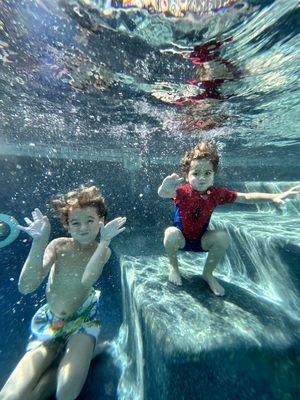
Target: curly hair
point(78, 198)
point(207, 150)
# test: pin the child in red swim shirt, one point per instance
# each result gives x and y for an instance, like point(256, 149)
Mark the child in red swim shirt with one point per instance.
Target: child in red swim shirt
point(194, 205)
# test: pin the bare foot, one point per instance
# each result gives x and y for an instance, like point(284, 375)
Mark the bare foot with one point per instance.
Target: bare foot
point(214, 285)
point(101, 347)
point(175, 277)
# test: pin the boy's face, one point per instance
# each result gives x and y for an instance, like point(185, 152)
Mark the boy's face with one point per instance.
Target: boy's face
point(83, 224)
point(201, 175)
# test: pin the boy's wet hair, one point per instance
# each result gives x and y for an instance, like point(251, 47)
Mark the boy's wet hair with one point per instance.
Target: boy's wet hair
point(207, 150)
point(78, 198)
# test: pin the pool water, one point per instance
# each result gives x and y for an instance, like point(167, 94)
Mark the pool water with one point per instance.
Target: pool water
point(113, 93)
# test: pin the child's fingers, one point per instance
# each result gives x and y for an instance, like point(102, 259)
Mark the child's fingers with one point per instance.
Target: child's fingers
point(122, 221)
point(172, 177)
point(119, 220)
point(176, 177)
point(121, 230)
point(28, 221)
point(295, 188)
point(38, 213)
point(22, 228)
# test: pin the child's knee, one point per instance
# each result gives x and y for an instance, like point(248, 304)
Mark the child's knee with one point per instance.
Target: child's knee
point(222, 239)
point(171, 237)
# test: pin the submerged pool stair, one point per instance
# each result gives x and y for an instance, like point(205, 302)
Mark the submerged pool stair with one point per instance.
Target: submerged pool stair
point(185, 343)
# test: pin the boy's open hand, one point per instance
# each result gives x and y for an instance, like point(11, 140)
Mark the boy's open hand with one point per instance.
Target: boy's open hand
point(39, 227)
point(112, 228)
point(172, 182)
point(278, 198)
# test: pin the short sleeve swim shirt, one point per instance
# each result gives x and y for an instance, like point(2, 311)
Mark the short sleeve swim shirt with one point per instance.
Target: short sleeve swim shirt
point(193, 209)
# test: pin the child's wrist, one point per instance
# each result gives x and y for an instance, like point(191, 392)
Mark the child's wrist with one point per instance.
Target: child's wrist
point(40, 240)
point(105, 241)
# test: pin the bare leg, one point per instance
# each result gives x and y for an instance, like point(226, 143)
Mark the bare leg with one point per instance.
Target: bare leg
point(28, 372)
point(174, 240)
point(216, 243)
point(74, 366)
point(46, 386)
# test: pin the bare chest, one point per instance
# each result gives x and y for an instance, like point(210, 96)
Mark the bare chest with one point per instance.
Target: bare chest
point(65, 292)
point(69, 266)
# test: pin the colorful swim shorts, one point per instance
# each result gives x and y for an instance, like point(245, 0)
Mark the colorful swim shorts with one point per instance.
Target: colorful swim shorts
point(46, 327)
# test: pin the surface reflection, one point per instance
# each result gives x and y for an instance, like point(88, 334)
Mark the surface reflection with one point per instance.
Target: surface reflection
point(205, 92)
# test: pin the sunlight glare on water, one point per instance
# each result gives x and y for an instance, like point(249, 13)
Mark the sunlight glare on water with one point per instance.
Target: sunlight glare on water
point(235, 75)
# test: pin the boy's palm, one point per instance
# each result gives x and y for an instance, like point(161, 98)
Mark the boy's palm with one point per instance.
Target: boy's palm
point(172, 182)
point(38, 227)
point(112, 228)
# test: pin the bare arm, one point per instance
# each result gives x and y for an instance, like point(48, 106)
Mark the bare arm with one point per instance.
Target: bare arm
point(101, 255)
point(40, 257)
point(96, 264)
point(37, 265)
point(170, 184)
point(267, 197)
point(254, 197)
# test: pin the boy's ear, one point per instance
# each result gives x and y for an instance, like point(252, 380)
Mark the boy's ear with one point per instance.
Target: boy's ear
point(101, 225)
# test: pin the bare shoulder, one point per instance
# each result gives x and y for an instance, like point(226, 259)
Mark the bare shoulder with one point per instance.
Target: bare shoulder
point(61, 242)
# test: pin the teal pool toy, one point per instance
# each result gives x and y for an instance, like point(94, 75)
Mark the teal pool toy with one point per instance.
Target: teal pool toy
point(8, 222)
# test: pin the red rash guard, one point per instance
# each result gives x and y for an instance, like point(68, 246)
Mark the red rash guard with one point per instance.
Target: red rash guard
point(193, 209)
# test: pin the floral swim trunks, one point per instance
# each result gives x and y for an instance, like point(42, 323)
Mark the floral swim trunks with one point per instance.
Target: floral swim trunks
point(46, 327)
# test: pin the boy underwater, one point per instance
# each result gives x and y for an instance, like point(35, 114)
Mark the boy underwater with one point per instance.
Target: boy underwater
point(70, 319)
point(194, 204)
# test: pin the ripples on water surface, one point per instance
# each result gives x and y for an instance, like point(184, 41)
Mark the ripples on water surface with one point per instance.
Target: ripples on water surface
point(123, 75)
